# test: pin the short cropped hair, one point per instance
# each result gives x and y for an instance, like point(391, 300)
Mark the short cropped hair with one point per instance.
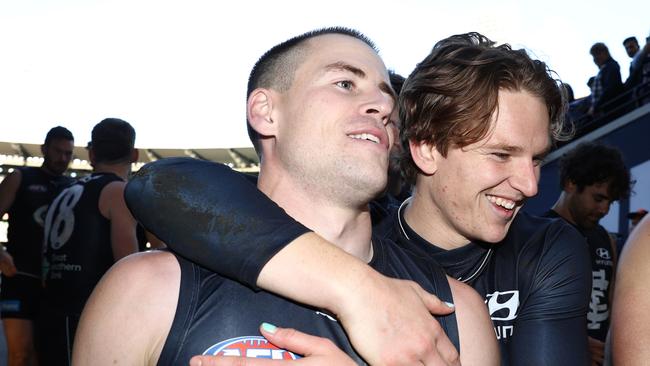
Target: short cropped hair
point(630, 39)
point(593, 163)
point(56, 133)
point(450, 97)
point(276, 68)
point(598, 48)
point(112, 141)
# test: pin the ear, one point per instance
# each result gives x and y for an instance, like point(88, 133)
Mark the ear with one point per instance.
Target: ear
point(570, 186)
point(260, 112)
point(43, 150)
point(424, 156)
point(91, 156)
point(135, 154)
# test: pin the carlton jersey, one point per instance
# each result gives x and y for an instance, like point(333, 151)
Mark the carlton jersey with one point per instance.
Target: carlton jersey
point(77, 244)
point(602, 271)
point(535, 283)
point(26, 215)
point(218, 316)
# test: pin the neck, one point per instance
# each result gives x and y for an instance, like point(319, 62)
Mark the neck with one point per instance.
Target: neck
point(48, 171)
point(347, 227)
point(562, 208)
point(122, 170)
point(424, 217)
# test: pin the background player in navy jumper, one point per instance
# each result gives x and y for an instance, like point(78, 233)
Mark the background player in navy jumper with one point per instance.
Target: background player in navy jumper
point(592, 176)
point(477, 120)
point(321, 109)
point(87, 228)
point(25, 195)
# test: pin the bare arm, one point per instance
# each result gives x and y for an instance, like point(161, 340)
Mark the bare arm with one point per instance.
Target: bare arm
point(380, 314)
point(123, 236)
point(8, 189)
point(478, 344)
point(130, 312)
point(630, 328)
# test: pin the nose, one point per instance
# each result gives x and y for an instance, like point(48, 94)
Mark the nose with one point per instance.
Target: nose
point(380, 105)
point(525, 178)
point(603, 207)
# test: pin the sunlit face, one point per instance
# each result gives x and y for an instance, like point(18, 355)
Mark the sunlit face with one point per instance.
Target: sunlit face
point(57, 155)
point(477, 190)
point(588, 206)
point(332, 134)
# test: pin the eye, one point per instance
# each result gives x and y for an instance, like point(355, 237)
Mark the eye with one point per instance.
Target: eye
point(501, 156)
point(345, 84)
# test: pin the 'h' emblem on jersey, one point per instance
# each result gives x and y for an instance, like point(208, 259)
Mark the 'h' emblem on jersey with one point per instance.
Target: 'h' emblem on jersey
point(252, 347)
point(603, 253)
point(503, 305)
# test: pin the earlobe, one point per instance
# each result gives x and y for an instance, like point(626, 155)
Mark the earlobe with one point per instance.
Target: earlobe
point(260, 110)
point(424, 156)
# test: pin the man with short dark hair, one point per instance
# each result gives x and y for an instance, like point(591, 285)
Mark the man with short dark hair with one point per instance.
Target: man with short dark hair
point(318, 108)
point(87, 228)
point(592, 176)
point(25, 195)
point(607, 84)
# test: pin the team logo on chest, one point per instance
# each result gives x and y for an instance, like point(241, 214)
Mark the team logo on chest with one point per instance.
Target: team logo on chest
point(251, 347)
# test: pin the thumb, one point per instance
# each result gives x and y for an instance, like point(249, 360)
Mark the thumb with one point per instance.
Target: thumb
point(434, 304)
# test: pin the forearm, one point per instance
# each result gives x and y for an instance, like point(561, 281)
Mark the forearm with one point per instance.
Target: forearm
point(313, 271)
point(212, 215)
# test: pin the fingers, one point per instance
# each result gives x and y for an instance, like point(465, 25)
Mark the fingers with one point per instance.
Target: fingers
point(231, 361)
point(296, 341)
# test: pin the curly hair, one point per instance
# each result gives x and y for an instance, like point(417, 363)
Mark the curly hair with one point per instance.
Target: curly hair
point(592, 163)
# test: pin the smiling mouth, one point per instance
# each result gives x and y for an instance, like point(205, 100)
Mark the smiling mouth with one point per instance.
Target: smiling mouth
point(502, 202)
point(366, 136)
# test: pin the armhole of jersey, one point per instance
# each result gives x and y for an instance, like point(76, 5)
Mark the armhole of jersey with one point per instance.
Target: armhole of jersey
point(187, 301)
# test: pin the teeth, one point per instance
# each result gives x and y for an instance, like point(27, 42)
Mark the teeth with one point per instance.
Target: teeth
point(505, 203)
point(366, 136)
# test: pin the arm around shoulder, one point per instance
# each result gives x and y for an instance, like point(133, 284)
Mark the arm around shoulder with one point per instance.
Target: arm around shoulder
point(128, 316)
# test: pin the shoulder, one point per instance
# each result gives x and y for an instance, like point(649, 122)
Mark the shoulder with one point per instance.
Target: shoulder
point(14, 178)
point(554, 264)
point(131, 310)
point(144, 274)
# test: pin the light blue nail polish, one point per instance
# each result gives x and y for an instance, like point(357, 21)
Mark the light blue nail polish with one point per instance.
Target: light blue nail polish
point(450, 305)
point(269, 328)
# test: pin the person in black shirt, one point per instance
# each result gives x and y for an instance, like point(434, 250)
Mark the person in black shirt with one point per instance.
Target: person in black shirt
point(87, 228)
point(592, 176)
point(24, 195)
point(319, 107)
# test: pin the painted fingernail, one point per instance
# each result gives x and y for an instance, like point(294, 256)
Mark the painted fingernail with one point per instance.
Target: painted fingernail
point(450, 305)
point(269, 328)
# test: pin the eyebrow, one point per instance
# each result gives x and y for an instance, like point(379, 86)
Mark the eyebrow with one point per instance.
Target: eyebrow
point(517, 149)
point(344, 66)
